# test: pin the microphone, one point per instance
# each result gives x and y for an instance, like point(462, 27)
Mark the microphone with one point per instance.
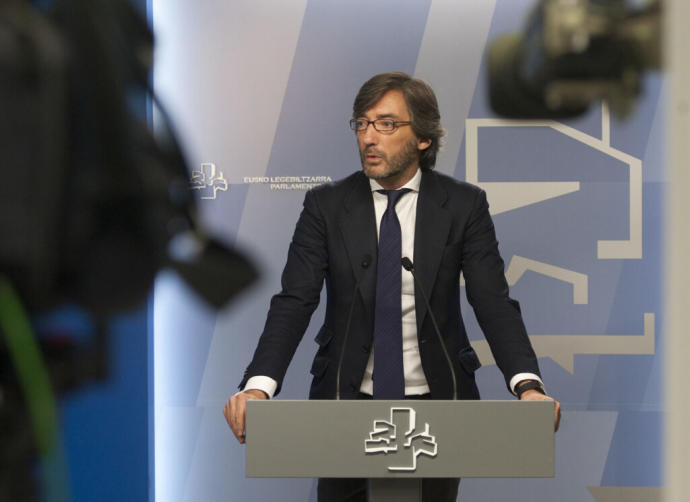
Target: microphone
point(366, 261)
point(407, 265)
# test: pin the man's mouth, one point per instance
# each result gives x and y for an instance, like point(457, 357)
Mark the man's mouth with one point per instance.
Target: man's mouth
point(372, 155)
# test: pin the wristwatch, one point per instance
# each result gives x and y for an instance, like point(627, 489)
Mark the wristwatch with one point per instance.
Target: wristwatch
point(526, 385)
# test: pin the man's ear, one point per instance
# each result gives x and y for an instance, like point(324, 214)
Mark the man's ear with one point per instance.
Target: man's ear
point(423, 144)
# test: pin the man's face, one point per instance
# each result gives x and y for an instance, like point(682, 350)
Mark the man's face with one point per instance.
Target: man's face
point(390, 158)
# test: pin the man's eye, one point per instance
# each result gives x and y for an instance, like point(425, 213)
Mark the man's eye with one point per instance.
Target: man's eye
point(361, 124)
point(386, 124)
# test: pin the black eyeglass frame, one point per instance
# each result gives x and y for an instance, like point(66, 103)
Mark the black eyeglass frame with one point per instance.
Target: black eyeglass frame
point(396, 125)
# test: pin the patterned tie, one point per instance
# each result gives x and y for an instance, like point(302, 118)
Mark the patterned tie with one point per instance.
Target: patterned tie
point(389, 379)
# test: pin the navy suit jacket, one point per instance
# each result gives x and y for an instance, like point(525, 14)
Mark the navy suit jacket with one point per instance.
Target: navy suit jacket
point(336, 232)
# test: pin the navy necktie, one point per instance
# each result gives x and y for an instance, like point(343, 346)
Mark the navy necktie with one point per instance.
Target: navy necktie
point(389, 378)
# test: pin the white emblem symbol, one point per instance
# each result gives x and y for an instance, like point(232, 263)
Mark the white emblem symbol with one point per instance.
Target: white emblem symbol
point(207, 181)
point(384, 439)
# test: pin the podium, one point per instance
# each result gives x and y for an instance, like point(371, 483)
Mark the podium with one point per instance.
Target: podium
point(396, 443)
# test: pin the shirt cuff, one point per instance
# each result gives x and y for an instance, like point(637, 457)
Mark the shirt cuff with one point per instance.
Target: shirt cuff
point(519, 378)
point(263, 383)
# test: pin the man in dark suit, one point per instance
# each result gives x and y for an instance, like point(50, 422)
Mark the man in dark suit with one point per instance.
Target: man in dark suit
point(353, 234)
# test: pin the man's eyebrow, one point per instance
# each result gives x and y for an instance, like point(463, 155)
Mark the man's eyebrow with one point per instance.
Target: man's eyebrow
point(387, 116)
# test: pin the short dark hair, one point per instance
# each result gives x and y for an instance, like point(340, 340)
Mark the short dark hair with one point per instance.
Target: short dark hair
point(421, 103)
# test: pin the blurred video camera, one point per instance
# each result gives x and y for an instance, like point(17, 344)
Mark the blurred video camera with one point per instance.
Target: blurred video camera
point(92, 206)
point(92, 203)
point(572, 53)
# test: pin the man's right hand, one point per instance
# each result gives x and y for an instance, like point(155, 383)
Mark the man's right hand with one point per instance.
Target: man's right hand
point(235, 410)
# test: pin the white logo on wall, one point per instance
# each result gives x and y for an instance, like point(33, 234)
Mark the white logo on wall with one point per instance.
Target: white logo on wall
point(506, 196)
point(406, 447)
point(208, 180)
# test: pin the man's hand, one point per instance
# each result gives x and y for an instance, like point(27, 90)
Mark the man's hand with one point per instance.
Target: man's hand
point(535, 395)
point(235, 410)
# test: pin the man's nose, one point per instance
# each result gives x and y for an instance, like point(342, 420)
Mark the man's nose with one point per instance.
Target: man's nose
point(369, 135)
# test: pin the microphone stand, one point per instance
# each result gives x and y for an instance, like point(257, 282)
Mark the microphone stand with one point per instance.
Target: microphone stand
point(407, 265)
point(366, 260)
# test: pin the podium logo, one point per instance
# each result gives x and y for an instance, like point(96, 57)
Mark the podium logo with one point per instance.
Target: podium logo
point(400, 438)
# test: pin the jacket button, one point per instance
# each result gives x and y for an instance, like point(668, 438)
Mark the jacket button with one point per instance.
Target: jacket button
point(366, 349)
point(422, 340)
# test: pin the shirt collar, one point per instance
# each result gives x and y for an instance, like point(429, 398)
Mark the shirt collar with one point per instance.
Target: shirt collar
point(413, 184)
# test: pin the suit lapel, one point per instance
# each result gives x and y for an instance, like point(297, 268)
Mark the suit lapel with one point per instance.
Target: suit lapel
point(431, 233)
point(358, 226)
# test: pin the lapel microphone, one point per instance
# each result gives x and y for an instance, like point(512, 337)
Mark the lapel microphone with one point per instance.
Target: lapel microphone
point(366, 261)
point(407, 265)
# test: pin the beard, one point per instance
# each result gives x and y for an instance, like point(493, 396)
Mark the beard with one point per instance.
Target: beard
point(393, 166)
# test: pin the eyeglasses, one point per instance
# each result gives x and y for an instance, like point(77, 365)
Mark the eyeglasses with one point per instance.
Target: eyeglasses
point(381, 125)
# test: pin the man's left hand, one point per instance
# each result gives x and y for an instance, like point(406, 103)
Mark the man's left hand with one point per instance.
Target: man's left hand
point(535, 395)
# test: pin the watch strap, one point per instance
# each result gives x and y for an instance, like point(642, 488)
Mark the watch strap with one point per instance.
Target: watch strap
point(522, 387)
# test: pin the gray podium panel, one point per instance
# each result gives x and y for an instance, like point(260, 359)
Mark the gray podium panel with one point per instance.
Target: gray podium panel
point(377, 439)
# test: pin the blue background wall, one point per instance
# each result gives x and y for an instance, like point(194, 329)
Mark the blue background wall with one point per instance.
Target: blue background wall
point(105, 425)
